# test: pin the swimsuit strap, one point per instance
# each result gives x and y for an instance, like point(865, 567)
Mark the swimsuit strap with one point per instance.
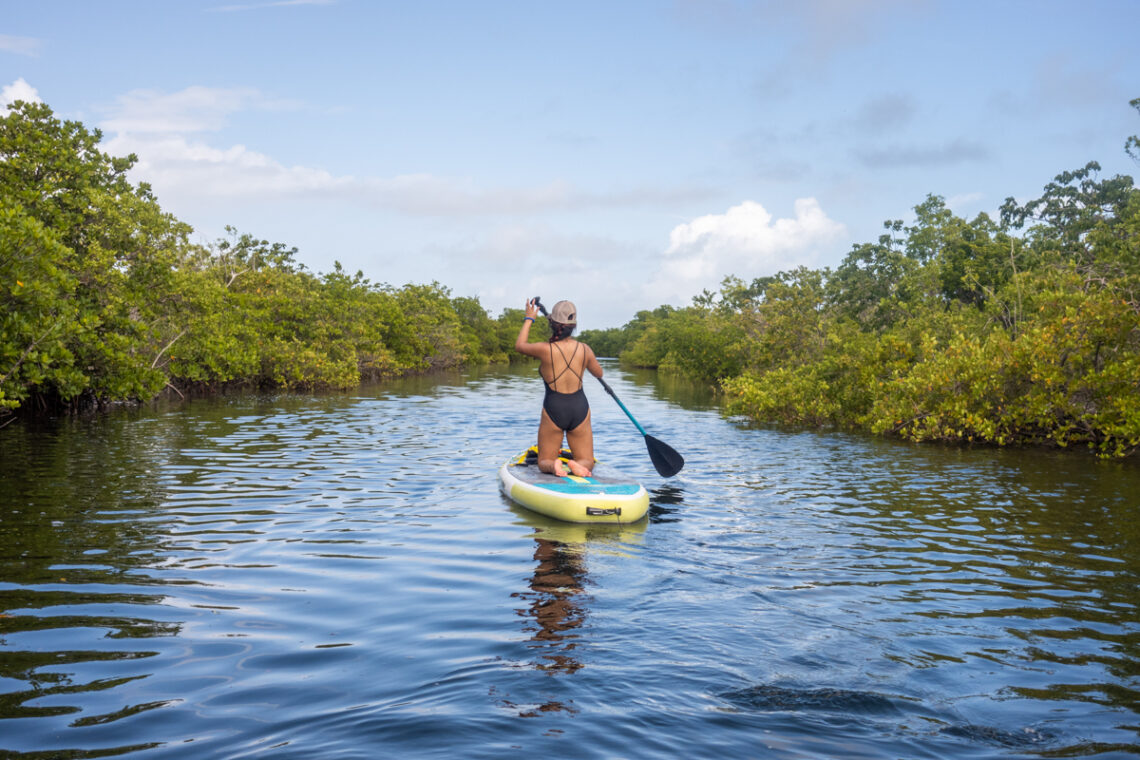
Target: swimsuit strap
point(567, 367)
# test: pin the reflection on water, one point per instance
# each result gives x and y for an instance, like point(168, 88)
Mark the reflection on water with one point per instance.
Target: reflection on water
point(665, 502)
point(555, 605)
point(674, 388)
point(555, 608)
point(338, 576)
point(556, 599)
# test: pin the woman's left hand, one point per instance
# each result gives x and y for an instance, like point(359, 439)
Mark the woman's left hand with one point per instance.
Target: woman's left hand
point(531, 309)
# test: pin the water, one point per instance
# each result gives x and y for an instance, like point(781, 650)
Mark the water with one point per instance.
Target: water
point(337, 576)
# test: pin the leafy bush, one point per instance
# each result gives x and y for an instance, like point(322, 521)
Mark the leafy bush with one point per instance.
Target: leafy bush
point(103, 298)
point(946, 329)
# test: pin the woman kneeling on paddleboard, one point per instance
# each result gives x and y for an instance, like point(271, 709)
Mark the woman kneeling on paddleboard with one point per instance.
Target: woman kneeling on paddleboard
point(565, 410)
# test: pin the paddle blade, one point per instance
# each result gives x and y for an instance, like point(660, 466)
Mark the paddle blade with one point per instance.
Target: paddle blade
point(667, 461)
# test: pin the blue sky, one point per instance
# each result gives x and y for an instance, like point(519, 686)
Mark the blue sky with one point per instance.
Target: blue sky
point(621, 154)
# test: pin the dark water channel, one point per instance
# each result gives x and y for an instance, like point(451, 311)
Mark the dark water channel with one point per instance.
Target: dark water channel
point(337, 576)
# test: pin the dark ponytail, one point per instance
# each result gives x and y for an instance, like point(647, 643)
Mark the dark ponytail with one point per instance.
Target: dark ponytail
point(558, 331)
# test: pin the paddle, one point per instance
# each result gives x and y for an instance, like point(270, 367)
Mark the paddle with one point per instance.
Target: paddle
point(667, 461)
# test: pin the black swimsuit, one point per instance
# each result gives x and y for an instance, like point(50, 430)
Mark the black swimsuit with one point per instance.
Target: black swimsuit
point(566, 410)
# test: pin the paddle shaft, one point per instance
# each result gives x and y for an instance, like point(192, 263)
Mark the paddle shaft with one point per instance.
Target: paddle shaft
point(665, 459)
point(613, 395)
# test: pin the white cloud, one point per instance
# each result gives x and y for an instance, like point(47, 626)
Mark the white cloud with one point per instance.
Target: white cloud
point(18, 90)
point(432, 195)
point(165, 131)
point(160, 129)
point(540, 246)
point(173, 164)
point(744, 241)
point(960, 203)
point(458, 196)
point(194, 109)
point(20, 45)
point(503, 266)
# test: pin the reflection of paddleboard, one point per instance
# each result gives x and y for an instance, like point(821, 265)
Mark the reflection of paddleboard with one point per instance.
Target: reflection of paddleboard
point(616, 539)
point(606, 496)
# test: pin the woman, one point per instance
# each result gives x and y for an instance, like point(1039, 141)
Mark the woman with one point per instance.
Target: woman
point(565, 410)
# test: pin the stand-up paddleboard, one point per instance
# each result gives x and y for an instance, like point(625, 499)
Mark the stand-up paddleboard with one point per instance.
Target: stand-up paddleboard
point(606, 496)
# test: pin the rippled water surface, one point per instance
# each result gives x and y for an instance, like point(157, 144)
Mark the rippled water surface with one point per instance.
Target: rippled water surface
point(338, 576)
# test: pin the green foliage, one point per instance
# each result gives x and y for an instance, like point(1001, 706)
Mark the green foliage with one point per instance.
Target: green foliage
point(701, 343)
point(1073, 204)
point(1067, 377)
point(507, 329)
point(866, 285)
point(87, 261)
point(610, 342)
point(52, 170)
point(946, 329)
point(38, 318)
point(479, 333)
point(103, 297)
point(1132, 144)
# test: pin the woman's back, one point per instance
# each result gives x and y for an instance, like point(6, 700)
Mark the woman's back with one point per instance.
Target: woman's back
point(563, 367)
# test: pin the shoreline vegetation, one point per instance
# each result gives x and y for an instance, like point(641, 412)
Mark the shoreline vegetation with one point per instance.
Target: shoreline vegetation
point(1020, 330)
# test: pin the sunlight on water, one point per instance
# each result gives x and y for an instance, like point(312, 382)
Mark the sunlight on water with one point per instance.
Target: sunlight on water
point(338, 576)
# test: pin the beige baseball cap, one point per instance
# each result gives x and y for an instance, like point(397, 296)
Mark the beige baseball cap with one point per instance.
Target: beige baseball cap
point(565, 313)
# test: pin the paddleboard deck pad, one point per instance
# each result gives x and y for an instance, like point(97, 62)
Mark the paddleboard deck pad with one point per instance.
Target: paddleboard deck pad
point(606, 496)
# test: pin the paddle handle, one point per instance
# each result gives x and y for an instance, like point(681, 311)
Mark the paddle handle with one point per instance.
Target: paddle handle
point(632, 419)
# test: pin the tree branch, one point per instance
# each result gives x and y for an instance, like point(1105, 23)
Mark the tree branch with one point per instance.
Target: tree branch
point(154, 363)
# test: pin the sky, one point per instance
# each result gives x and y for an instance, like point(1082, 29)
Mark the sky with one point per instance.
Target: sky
point(621, 154)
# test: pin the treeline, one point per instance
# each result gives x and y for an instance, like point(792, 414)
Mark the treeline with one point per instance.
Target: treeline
point(103, 297)
point(1019, 330)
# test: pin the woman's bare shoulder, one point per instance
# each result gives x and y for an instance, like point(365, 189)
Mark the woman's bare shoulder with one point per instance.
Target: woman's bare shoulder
point(586, 347)
point(532, 349)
